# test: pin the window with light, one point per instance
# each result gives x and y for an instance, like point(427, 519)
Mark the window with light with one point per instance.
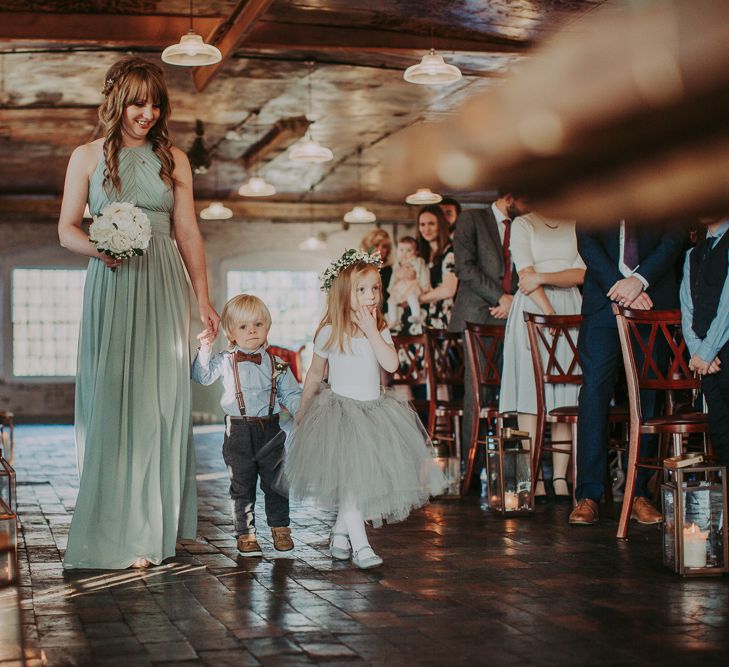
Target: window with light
point(45, 315)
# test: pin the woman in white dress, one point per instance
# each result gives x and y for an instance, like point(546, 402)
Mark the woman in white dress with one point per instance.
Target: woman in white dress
point(550, 269)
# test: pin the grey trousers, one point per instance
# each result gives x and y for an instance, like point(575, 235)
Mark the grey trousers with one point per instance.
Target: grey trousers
point(252, 449)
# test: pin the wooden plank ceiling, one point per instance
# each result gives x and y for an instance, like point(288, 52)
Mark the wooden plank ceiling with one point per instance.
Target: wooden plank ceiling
point(54, 53)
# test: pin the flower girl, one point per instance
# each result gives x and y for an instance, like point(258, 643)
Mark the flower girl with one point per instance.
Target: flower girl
point(355, 449)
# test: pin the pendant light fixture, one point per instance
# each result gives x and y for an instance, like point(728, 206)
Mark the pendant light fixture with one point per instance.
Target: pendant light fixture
point(316, 241)
point(359, 214)
point(432, 70)
point(309, 149)
point(256, 186)
point(216, 210)
point(423, 197)
point(191, 51)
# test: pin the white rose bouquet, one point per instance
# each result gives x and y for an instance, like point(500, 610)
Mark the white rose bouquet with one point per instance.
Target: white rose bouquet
point(121, 230)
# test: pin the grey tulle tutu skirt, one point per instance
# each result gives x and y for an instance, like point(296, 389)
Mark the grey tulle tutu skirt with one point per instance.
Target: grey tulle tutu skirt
point(374, 456)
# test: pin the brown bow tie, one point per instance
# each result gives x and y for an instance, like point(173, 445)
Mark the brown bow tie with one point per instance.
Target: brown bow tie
point(244, 356)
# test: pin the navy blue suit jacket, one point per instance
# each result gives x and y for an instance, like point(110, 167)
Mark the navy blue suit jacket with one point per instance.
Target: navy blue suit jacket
point(658, 249)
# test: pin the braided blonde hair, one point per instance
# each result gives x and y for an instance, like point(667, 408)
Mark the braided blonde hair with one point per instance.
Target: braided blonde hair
point(128, 80)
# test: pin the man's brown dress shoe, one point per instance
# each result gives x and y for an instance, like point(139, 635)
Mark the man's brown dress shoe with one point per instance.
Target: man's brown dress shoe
point(585, 514)
point(644, 512)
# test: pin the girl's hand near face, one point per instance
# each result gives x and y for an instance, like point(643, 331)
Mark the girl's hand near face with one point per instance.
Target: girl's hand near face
point(365, 319)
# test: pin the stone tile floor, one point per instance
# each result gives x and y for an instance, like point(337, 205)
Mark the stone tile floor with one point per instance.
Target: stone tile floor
point(459, 587)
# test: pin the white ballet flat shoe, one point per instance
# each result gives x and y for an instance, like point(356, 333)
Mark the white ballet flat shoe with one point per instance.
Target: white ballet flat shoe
point(339, 553)
point(366, 558)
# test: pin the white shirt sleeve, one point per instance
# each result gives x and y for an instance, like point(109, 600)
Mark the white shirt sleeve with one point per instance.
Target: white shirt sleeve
point(320, 340)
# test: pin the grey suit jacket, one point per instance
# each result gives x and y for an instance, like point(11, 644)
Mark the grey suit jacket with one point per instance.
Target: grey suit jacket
point(479, 267)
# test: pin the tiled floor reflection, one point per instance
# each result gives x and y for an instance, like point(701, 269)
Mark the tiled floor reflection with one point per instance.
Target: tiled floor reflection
point(459, 587)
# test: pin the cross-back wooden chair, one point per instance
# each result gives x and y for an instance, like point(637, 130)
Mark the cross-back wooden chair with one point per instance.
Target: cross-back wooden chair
point(551, 337)
point(655, 358)
point(412, 369)
point(292, 357)
point(444, 360)
point(484, 347)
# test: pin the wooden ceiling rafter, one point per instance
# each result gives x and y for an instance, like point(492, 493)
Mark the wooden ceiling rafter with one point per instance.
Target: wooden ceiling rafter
point(229, 37)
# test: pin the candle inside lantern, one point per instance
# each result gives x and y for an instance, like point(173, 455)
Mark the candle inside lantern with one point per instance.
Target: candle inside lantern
point(511, 500)
point(694, 546)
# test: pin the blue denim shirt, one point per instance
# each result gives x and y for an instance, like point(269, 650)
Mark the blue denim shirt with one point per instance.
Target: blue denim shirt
point(718, 333)
point(255, 382)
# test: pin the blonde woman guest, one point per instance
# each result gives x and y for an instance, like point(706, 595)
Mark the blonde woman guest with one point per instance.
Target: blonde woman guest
point(133, 432)
point(378, 240)
point(550, 269)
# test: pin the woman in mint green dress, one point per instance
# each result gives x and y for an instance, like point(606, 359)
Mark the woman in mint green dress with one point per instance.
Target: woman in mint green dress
point(136, 460)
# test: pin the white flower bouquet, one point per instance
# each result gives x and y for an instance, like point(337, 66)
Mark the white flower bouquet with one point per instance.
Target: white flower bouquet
point(121, 230)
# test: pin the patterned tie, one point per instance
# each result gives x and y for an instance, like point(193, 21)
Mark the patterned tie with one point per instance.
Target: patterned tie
point(630, 247)
point(244, 356)
point(506, 282)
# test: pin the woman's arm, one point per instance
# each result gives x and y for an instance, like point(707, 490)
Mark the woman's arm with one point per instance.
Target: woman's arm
point(75, 193)
point(314, 376)
point(189, 239)
point(529, 280)
point(446, 290)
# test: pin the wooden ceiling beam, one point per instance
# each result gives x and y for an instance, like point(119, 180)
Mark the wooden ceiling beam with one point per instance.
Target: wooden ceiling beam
point(18, 208)
point(275, 35)
point(230, 36)
point(122, 29)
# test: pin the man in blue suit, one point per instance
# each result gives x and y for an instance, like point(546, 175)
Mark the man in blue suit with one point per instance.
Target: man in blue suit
point(632, 266)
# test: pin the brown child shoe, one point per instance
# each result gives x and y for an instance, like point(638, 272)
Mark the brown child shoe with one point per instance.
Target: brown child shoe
point(282, 538)
point(585, 513)
point(248, 546)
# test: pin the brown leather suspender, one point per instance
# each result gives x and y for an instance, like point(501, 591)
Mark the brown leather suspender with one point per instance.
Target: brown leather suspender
point(239, 391)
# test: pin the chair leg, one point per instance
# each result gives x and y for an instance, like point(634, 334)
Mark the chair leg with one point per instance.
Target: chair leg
point(574, 463)
point(537, 446)
point(631, 476)
point(468, 476)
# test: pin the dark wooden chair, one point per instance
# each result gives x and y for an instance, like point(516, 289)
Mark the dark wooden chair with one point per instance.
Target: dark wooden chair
point(292, 357)
point(444, 360)
point(550, 336)
point(484, 347)
point(655, 358)
point(412, 369)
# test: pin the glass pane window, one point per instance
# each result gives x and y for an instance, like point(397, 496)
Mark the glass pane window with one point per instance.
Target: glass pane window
point(293, 297)
point(45, 313)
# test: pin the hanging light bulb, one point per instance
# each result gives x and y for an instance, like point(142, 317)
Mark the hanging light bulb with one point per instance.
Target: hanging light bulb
point(359, 214)
point(432, 70)
point(313, 243)
point(256, 187)
point(422, 197)
point(309, 149)
point(216, 211)
point(191, 51)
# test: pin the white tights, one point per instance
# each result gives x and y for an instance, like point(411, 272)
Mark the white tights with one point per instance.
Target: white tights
point(350, 522)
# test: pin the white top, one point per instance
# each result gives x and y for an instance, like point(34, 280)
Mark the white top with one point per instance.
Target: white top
point(354, 373)
point(500, 217)
point(547, 245)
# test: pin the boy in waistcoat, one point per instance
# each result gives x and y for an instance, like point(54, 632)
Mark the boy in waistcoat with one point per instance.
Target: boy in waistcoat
point(705, 323)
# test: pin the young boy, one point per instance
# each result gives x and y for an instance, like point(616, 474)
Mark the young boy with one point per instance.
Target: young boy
point(254, 384)
point(404, 288)
point(705, 320)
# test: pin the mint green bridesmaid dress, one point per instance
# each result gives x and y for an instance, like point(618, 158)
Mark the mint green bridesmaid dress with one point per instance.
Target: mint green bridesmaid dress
point(136, 460)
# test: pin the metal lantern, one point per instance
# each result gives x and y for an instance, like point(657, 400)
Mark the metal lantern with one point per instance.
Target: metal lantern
point(7, 482)
point(695, 520)
point(509, 470)
point(8, 546)
point(450, 466)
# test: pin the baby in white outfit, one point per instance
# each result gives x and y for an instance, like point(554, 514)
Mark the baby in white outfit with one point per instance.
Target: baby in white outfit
point(403, 287)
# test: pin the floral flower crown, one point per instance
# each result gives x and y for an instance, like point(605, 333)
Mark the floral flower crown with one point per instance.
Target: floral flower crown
point(349, 257)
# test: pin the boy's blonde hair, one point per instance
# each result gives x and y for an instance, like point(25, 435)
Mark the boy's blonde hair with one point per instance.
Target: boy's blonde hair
point(339, 304)
point(243, 308)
